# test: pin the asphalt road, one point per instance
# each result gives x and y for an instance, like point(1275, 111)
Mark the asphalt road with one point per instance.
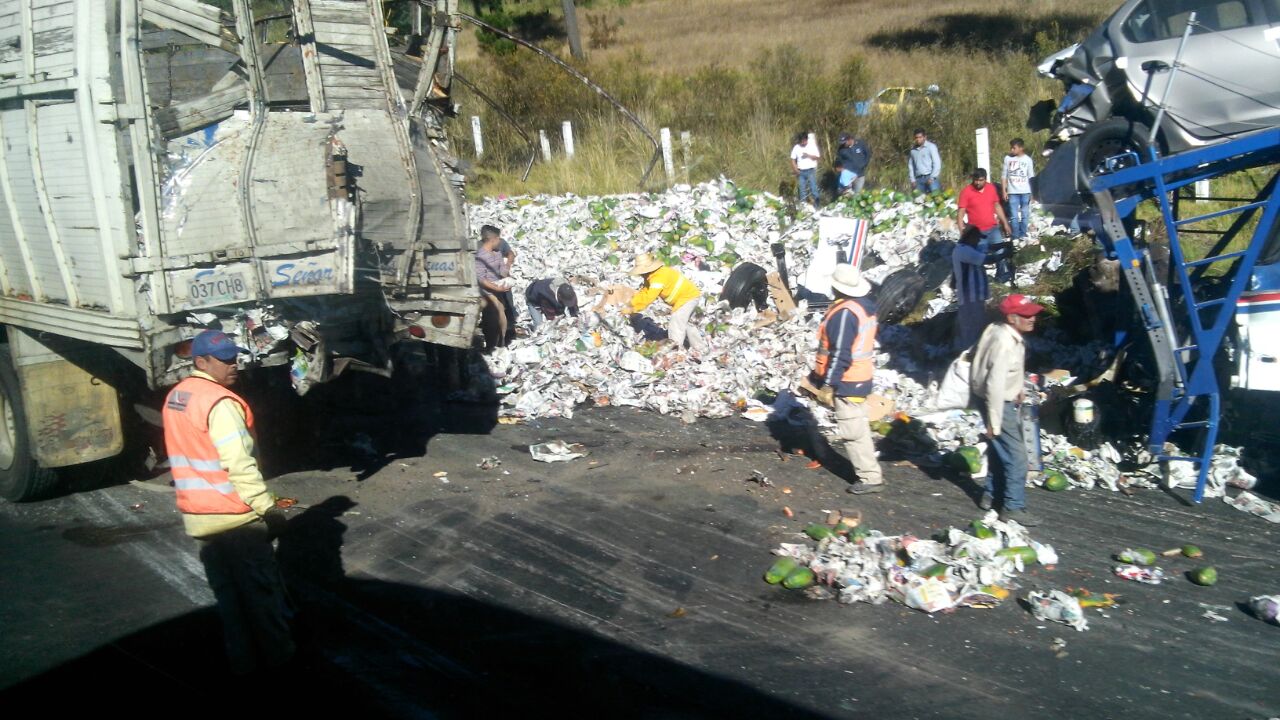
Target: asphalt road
point(627, 581)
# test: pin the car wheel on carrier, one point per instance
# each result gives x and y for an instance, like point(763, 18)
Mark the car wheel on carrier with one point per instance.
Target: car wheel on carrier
point(21, 477)
point(1108, 139)
point(747, 284)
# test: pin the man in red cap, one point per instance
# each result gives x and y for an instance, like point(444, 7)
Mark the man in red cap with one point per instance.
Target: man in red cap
point(996, 381)
point(208, 431)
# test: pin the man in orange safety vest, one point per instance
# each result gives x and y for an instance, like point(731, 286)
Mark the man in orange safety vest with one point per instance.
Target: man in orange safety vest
point(225, 505)
point(845, 363)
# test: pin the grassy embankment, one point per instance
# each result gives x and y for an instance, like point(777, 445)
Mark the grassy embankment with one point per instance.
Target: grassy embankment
point(744, 76)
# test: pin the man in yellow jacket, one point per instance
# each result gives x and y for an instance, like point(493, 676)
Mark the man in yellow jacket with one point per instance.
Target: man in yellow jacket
point(209, 435)
point(678, 291)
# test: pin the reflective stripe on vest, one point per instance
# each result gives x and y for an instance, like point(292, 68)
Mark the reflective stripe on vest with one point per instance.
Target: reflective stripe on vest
point(202, 485)
point(863, 346)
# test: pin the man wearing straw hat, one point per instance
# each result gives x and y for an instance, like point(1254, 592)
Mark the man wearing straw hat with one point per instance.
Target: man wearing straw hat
point(678, 291)
point(846, 364)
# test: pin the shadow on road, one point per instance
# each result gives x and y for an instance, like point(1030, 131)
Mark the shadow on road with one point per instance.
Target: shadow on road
point(391, 650)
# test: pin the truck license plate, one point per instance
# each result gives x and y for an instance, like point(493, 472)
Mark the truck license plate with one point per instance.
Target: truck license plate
point(217, 287)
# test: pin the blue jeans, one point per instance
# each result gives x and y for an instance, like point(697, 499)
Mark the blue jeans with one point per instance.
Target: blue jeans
point(1007, 474)
point(993, 236)
point(926, 184)
point(1019, 213)
point(808, 178)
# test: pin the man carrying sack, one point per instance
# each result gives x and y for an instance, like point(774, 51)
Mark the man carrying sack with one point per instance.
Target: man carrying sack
point(844, 367)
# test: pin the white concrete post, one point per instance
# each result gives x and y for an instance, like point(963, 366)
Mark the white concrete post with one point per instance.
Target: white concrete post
point(983, 142)
point(477, 136)
point(1203, 190)
point(668, 162)
point(686, 153)
point(566, 129)
point(545, 142)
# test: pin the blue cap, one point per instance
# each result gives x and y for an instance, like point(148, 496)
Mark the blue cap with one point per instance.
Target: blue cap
point(215, 343)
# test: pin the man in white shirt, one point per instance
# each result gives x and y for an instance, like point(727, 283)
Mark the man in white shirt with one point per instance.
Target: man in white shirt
point(996, 380)
point(1015, 176)
point(804, 163)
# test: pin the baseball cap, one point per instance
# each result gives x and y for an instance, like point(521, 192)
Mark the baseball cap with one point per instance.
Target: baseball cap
point(844, 137)
point(1020, 305)
point(215, 343)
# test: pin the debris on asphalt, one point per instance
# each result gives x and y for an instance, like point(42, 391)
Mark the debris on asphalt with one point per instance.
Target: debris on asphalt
point(955, 570)
point(556, 451)
point(1266, 607)
point(1057, 606)
point(489, 463)
point(759, 478)
point(1146, 575)
point(1250, 503)
point(1141, 556)
point(284, 503)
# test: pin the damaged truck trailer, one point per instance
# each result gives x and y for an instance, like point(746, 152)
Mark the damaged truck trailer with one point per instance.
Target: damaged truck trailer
point(168, 166)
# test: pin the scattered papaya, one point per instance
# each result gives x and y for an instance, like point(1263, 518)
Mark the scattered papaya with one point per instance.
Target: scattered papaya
point(1055, 481)
point(780, 569)
point(1192, 551)
point(1026, 552)
point(800, 578)
point(1205, 576)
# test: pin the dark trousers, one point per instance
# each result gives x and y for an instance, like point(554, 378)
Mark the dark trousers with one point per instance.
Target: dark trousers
point(242, 571)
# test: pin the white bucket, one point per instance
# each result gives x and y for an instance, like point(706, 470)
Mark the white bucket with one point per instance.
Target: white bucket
point(1082, 411)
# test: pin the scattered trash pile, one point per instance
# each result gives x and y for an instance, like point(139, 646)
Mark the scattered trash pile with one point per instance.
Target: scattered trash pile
point(958, 569)
point(706, 230)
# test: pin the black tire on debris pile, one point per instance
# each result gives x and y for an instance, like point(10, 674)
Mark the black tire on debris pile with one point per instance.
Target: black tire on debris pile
point(898, 295)
point(21, 477)
point(747, 284)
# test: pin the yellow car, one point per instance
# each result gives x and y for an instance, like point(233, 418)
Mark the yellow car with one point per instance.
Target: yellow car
point(891, 100)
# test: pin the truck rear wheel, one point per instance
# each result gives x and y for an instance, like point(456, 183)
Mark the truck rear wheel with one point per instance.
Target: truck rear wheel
point(21, 477)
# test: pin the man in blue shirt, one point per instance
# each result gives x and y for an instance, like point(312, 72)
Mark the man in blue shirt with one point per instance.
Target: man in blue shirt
point(924, 164)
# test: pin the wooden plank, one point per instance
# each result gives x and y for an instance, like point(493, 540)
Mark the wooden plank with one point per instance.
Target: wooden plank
point(209, 31)
point(15, 218)
point(337, 16)
point(307, 42)
point(353, 93)
point(185, 117)
point(335, 80)
point(71, 290)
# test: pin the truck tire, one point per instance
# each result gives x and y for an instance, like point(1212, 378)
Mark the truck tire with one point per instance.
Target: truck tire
point(898, 295)
point(21, 477)
point(1107, 139)
point(747, 284)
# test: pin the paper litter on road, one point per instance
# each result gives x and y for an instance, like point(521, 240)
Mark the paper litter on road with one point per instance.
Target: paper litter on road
point(556, 451)
point(1250, 503)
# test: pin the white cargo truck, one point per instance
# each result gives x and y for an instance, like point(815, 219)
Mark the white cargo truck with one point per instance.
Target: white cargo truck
point(171, 165)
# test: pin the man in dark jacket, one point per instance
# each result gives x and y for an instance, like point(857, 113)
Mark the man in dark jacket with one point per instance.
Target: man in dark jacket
point(550, 298)
point(854, 155)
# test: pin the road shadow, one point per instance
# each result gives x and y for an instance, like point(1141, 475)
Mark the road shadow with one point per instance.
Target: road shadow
point(392, 650)
point(360, 421)
point(982, 32)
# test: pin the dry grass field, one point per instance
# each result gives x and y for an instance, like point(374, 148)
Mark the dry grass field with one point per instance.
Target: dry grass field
point(744, 75)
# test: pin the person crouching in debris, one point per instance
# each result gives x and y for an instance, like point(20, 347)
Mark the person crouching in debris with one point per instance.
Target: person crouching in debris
point(969, 277)
point(845, 363)
point(493, 284)
point(678, 291)
point(550, 298)
point(225, 505)
point(996, 381)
